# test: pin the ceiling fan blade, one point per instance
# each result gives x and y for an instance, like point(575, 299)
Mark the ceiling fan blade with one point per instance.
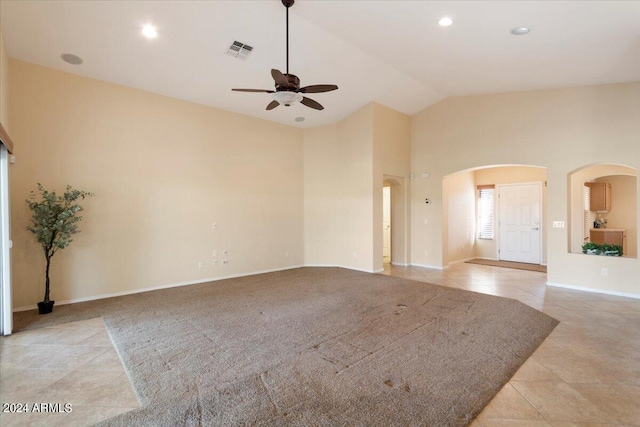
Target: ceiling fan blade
point(311, 103)
point(280, 78)
point(253, 90)
point(272, 105)
point(317, 88)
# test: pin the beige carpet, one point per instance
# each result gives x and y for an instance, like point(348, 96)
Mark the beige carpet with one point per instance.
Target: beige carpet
point(313, 346)
point(509, 264)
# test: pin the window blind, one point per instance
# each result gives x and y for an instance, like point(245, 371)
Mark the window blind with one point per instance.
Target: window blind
point(586, 196)
point(485, 211)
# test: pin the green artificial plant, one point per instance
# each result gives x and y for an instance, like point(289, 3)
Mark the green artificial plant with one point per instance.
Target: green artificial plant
point(54, 219)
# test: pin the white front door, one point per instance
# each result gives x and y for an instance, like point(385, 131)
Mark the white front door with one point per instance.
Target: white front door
point(386, 221)
point(519, 222)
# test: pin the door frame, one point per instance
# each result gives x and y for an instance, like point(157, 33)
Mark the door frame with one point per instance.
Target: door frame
point(541, 212)
point(6, 309)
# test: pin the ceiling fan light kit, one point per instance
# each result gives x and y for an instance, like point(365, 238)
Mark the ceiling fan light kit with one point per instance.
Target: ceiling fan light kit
point(287, 86)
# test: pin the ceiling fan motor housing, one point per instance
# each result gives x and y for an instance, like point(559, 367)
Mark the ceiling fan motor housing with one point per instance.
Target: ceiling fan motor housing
point(293, 86)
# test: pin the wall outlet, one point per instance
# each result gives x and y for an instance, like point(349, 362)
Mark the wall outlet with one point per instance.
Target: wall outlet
point(215, 253)
point(355, 254)
point(286, 254)
point(215, 262)
point(200, 264)
point(604, 272)
point(225, 252)
point(558, 224)
point(214, 225)
point(225, 262)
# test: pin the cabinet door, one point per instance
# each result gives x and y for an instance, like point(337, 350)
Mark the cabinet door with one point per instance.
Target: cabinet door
point(597, 237)
point(600, 196)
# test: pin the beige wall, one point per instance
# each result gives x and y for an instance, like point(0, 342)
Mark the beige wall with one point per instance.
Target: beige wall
point(391, 161)
point(509, 175)
point(338, 164)
point(4, 85)
point(344, 168)
point(561, 130)
point(321, 187)
point(459, 217)
point(163, 172)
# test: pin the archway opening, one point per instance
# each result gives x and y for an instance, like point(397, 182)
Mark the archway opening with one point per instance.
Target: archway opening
point(472, 226)
point(603, 208)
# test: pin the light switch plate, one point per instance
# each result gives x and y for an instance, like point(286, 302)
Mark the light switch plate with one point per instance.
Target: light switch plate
point(558, 224)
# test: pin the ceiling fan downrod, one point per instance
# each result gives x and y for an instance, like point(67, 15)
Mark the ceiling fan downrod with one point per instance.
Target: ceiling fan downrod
point(288, 4)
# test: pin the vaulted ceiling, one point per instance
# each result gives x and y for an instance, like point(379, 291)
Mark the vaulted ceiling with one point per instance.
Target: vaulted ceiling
point(390, 52)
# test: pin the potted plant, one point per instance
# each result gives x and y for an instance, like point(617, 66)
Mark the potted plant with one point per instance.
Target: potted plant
point(591, 248)
point(611, 250)
point(54, 219)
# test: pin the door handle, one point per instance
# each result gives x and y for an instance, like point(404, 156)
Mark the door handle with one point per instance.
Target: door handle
point(535, 228)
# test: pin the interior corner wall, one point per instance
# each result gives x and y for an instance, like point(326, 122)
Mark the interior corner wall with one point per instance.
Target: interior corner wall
point(391, 158)
point(163, 172)
point(560, 129)
point(4, 84)
point(338, 169)
point(459, 217)
point(321, 188)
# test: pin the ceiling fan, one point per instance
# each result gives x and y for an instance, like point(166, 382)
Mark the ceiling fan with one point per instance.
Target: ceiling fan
point(288, 90)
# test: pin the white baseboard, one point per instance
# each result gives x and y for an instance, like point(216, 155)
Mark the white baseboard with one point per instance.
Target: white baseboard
point(486, 257)
point(592, 290)
point(400, 264)
point(345, 267)
point(156, 288)
point(433, 267)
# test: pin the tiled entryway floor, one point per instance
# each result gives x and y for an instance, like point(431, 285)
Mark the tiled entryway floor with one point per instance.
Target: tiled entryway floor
point(72, 363)
point(585, 374)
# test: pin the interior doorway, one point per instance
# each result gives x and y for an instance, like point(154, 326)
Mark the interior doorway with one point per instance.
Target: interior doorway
point(391, 223)
point(386, 224)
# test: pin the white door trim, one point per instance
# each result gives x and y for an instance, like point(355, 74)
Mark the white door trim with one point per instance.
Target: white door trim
point(6, 310)
point(497, 212)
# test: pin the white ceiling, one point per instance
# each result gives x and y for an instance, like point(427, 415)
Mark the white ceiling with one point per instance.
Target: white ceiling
point(390, 52)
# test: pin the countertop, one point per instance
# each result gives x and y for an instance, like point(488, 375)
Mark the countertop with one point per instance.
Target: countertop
point(609, 229)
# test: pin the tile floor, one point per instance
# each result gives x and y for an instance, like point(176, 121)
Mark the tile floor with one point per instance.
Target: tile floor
point(585, 374)
point(73, 363)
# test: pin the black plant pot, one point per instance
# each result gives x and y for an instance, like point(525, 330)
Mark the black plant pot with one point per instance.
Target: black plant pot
point(45, 307)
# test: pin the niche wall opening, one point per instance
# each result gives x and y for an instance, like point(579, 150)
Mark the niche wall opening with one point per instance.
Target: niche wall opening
point(603, 207)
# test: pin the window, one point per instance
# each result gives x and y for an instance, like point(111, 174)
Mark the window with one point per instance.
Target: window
point(586, 197)
point(485, 211)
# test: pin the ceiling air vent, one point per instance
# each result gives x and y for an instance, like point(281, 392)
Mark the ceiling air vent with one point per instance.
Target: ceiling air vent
point(239, 50)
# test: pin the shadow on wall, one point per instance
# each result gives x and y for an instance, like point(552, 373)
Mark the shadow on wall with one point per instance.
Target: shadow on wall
point(603, 198)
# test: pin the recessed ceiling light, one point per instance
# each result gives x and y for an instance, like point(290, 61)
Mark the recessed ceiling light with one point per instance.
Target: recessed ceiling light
point(520, 31)
point(299, 119)
point(71, 58)
point(445, 22)
point(149, 31)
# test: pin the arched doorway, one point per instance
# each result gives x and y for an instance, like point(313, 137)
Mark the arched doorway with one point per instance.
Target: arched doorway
point(471, 226)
